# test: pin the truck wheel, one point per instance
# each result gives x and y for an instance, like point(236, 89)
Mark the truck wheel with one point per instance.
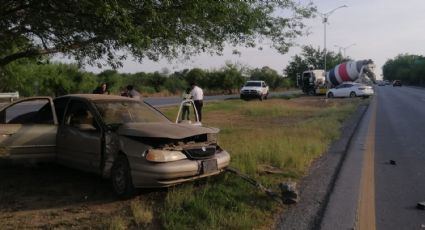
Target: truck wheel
point(121, 177)
point(352, 94)
point(330, 95)
point(311, 93)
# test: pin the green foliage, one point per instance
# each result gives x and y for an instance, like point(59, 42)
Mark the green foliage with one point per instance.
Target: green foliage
point(225, 202)
point(410, 69)
point(30, 78)
point(311, 57)
point(270, 76)
point(33, 78)
point(93, 30)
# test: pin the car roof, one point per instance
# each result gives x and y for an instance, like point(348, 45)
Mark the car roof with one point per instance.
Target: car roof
point(98, 97)
point(254, 81)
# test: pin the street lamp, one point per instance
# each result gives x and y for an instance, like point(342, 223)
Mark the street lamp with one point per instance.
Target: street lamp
point(325, 17)
point(344, 48)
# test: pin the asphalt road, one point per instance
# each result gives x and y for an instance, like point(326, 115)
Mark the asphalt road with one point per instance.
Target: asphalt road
point(383, 176)
point(167, 101)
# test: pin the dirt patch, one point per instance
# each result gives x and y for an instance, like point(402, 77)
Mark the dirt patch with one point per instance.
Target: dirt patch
point(49, 196)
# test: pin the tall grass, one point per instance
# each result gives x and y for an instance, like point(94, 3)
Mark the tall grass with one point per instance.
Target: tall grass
point(142, 213)
point(287, 134)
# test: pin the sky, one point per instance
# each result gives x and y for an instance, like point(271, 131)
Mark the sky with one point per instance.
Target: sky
point(370, 29)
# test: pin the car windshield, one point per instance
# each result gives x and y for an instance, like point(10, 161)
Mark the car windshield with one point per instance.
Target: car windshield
point(253, 83)
point(118, 112)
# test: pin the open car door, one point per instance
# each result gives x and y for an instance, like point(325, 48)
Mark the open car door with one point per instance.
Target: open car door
point(28, 130)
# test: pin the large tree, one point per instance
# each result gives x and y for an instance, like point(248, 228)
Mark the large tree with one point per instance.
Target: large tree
point(109, 30)
point(408, 68)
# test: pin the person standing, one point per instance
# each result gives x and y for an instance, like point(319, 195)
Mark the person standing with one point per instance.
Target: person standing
point(131, 92)
point(198, 97)
point(102, 89)
point(186, 105)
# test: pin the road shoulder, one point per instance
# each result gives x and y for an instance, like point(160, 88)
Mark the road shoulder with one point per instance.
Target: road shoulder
point(317, 185)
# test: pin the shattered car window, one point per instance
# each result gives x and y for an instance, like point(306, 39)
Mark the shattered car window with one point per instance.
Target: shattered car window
point(119, 112)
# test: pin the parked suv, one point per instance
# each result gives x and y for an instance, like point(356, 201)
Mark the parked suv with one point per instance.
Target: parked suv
point(255, 89)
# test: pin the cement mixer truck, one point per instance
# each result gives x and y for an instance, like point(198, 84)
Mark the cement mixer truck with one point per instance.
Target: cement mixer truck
point(313, 82)
point(356, 71)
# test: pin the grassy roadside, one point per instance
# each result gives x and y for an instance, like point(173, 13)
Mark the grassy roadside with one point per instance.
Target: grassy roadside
point(283, 134)
point(280, 133)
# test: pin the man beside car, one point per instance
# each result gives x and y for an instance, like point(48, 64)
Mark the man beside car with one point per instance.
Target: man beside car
point(198, 97)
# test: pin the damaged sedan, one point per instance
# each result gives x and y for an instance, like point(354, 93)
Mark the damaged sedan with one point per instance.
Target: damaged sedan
point(120, 138)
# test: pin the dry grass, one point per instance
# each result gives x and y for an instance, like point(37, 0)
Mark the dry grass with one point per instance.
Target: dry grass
point(142, 212)
point(286, 135)
point(118, 223)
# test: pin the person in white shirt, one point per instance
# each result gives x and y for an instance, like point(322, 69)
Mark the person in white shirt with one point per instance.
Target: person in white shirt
point(198, 97)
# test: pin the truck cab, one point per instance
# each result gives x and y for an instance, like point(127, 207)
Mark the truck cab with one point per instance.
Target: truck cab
point(312, 82)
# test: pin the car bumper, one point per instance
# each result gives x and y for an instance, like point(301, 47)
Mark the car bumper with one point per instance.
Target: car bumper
point(253, 94)
point(149, 174)
point(368, 92)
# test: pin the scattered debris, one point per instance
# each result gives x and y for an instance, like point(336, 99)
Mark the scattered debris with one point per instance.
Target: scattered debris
point(392, 162)
point(289, 192)
point(275, 196)
point(421, 205)
point(268, 169)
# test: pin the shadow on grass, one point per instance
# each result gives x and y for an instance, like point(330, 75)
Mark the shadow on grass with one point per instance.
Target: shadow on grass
point(47, 185)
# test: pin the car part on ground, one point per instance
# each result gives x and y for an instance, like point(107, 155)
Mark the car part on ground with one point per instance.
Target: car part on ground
point(289, 192)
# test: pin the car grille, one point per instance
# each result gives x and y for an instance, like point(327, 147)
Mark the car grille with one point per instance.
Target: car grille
point(249, 92)
point(200, 152)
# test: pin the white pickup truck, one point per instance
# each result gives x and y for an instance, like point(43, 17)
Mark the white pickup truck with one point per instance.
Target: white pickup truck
point(255, 89)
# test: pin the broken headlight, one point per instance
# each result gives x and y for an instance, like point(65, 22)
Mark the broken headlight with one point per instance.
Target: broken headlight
point(158, 155)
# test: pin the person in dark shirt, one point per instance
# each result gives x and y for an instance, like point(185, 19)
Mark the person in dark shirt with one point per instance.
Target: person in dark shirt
point(102, 89)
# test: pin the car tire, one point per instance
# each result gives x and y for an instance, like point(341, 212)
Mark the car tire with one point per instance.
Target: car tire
point(121, 177)
point(352, 94)
point(330, 95)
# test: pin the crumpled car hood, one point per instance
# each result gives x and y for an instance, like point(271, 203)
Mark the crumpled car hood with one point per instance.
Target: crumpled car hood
point(163, 130)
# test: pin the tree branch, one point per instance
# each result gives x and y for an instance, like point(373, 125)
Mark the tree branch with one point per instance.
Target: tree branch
point(37, 52)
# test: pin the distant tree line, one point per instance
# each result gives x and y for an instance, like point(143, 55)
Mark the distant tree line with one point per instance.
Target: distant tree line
point(410, 69)
point(54, 79)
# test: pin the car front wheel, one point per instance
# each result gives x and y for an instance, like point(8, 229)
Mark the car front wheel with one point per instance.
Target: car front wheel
point(121, 177)
point(352, 94)
point(330, 95)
